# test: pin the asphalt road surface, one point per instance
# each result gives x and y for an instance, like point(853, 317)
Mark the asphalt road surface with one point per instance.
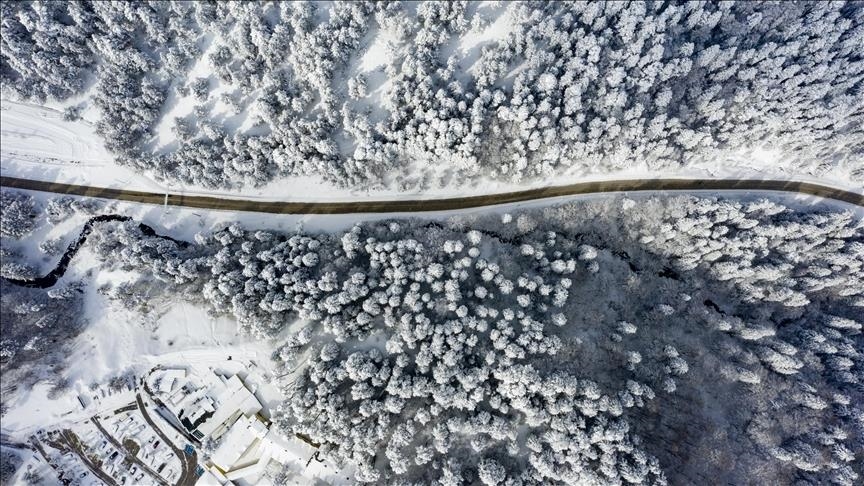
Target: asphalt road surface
point(71, 443)
point(126, 452)
point(188, 462)
point(445, 204)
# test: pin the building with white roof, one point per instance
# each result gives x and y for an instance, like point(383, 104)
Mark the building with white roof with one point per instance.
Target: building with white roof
point(249, 446)
point(205, 405)
point(234, 401)
point(168, 379)
point(218, 407)
point(244, 435)
point(212, 477)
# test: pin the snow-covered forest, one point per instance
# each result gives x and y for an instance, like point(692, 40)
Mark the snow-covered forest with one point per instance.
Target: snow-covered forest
point(412, 96)
point(37, 324)
point(568, 338)
point(611, 341)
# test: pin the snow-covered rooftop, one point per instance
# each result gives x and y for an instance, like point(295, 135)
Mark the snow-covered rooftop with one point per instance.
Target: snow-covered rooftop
point(232, 402)
point(169, 378)
point(212, 478)
point(246, 433)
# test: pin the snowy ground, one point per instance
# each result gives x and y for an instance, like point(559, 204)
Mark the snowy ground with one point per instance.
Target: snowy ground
point(33, 462)
point(178, 333)
point(184, 223)
point(118, 339)
point(36, 143)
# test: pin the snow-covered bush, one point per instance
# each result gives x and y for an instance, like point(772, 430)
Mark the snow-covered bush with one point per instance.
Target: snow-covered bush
point(19, 213)
point(51, 247)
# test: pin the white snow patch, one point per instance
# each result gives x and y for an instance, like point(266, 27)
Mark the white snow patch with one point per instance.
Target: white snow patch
point(32, 409)
point(380, 52)
point(497, 30)
point(34, 132)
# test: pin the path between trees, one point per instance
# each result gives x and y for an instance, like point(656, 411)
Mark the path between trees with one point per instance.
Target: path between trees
point(444, 204)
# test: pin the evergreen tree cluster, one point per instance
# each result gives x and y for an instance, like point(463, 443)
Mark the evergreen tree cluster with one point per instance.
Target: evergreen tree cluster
point(571, 344)
point(570, 87)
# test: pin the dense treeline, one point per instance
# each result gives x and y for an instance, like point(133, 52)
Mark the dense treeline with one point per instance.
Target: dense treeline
point(37, 325)
point(590, 87)
point(573, 344)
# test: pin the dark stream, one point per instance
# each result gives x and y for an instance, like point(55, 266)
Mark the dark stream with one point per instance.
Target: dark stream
point(51, 278)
